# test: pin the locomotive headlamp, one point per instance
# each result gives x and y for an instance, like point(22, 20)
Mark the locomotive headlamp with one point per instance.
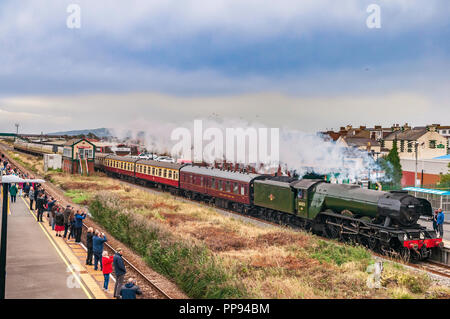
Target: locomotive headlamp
point(422, 235)
point(405, 237)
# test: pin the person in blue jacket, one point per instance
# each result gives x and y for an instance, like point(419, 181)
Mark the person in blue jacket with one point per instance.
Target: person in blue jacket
point(130, 290)
point(440, 222)
point(97, 247)
point(78, 226)
point(119, 270)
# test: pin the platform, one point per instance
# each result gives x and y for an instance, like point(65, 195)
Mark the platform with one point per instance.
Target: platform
point(41, 265)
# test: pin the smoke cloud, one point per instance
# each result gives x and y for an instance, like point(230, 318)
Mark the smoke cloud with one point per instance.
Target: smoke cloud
point(299, 152)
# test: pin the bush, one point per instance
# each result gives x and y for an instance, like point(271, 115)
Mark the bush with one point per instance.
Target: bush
point(338, 254)
point(193, 268)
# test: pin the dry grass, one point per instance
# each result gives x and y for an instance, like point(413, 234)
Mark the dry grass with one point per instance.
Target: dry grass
point(269, 262)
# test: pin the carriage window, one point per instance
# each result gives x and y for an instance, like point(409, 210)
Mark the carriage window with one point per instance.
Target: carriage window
point(242, 190)
point(227, 186)
point(165, 173)
point(159, 172)
point(176, 175)
point(170, 174)
point(213, 183)
point(300, 194)
point(220, 186)
point(121, 165)
point(235, 188)
point(153, 171)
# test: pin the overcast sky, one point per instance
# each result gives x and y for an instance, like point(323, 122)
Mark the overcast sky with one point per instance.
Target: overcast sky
point(304, 64)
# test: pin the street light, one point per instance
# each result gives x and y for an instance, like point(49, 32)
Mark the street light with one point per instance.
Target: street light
point(6, 181)
point(415, 172)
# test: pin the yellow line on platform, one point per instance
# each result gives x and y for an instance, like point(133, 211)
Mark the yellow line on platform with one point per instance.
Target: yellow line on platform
point(58, 250)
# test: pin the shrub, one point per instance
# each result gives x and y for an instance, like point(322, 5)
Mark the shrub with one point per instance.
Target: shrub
point(330, 252)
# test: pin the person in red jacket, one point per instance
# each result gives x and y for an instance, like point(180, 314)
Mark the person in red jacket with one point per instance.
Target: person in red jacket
point(107, 268)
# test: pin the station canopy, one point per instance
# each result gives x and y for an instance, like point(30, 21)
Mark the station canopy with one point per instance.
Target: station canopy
point(427, 190)
point(16, 179)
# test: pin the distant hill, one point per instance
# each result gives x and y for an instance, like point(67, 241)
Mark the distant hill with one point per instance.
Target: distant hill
point(100, 132)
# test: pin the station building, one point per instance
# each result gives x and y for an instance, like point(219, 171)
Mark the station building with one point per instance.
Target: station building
point(78, 156)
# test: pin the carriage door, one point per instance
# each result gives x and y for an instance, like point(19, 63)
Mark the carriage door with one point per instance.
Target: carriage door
point(302, 202)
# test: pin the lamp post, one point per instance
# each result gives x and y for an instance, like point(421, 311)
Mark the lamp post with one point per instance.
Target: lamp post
point(6, 181)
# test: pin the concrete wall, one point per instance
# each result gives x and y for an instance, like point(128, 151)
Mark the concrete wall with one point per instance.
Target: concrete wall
point(432, 170)
point(53, 161)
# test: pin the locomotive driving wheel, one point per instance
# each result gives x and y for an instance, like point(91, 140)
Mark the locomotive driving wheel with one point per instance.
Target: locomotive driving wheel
point(332, 231)
point(405, 254)
point(369, 242)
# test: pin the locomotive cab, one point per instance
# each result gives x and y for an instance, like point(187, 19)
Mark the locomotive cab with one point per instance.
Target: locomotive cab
point(302, 189)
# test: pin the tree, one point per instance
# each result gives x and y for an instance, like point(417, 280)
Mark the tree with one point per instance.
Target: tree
point(445, 179)
point(391, 165)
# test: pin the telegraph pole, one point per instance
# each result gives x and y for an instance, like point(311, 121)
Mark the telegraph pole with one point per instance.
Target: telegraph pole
point(17, 130)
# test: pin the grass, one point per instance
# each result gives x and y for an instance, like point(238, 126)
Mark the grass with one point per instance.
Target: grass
point(79, 196)
point(330, 252)
point(209, 255)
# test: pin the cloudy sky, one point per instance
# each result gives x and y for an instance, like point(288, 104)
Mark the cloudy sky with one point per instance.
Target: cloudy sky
point(302, 64)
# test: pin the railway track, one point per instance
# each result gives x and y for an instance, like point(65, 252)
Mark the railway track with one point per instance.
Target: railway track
point(150, 287)
point(430, 266)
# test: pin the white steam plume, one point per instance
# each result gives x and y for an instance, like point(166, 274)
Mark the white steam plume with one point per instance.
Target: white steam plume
point(298, 151)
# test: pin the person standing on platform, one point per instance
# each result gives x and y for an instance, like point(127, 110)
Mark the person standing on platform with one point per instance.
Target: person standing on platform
point(26, 189)
point(72, 225)
point(67, 213)
point(13, 192)
point(130, 290)
point(119, 270)
point(89, 245)
point(97, 246)
point(36, 194)
point(440, 222)
point(20, 189)
point(31, 196)
point(107, 268)
point(52, 214)
point(59, 223)
point(79, 225)
point(40, 207)
point(50, 203)
point(435, 228)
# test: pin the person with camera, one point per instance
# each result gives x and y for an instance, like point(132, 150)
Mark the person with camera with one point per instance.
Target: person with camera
point(97, 246)
point(79, 216)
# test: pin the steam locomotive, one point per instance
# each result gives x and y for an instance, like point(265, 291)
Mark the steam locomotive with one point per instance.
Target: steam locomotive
point(382, 221)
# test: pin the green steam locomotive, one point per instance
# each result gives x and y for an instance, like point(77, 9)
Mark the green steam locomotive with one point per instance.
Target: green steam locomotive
point(383, 221)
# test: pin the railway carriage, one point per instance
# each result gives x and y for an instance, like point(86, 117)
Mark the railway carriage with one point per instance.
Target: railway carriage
point(121, 166)
point(161, 174)
point(158, 172)
point(226, 189)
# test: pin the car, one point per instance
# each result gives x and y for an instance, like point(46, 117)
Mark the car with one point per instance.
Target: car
point(148, 156)
point(165, 159)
